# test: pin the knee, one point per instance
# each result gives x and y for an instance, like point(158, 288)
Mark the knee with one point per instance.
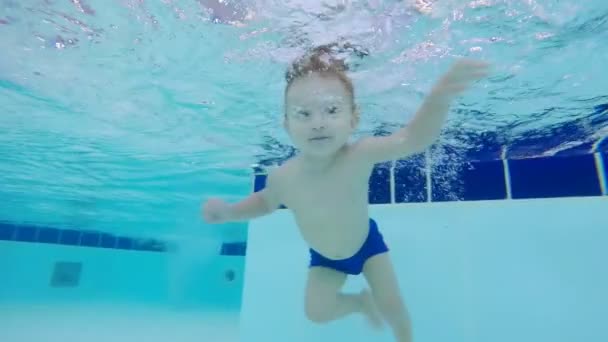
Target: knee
point(317, 311)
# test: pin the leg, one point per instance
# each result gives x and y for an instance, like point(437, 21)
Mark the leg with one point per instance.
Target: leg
point(380, 275)
point(325, 302)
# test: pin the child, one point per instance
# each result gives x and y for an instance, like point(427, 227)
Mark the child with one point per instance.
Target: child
point(326, 186)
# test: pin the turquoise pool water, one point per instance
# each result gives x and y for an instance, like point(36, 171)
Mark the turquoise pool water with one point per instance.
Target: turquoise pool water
point(119, 118)
point(147, 106)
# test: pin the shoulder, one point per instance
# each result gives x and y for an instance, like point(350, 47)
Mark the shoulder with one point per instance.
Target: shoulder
point(273, 188)
point(273, 177)
point(352, 156)
point(281, 172)
point(277, 177)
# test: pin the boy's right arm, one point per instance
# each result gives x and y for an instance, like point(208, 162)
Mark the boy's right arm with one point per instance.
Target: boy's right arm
point(257, 204)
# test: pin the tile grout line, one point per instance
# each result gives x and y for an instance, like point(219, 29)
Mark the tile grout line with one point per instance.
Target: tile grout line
point(601, 172)
point(507, 173)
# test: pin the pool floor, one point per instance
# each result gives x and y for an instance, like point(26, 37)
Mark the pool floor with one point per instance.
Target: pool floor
point(113, 323)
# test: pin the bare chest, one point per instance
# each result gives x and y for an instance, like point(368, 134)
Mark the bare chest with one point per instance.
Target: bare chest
point(330, 207)
point(331, 213)
point(319, 196)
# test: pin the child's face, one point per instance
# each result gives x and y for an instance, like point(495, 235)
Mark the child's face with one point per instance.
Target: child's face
point(319, 115)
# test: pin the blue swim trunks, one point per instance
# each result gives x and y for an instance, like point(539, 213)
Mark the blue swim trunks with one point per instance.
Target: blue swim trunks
point(373, 245)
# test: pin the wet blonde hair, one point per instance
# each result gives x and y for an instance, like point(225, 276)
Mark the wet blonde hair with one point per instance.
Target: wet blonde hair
point(321, 60)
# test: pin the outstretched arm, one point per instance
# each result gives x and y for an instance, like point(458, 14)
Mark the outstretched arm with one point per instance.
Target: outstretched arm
point(425, 127)
point(255, 205)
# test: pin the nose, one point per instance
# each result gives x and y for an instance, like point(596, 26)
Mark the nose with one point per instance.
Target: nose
point(318, 122)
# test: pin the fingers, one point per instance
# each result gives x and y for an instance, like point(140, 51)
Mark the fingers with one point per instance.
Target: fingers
point(467, 71)
point(472, 64)
point(462, 75)
point(475, 67)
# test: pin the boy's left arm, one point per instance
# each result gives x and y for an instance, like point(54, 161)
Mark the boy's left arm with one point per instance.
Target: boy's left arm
point(425, 127)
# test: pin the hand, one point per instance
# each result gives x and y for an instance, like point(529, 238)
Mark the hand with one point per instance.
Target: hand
point(423, 6)
point(216, 211)
point(460, 77)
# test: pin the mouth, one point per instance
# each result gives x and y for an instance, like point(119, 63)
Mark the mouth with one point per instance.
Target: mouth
point(322, 138)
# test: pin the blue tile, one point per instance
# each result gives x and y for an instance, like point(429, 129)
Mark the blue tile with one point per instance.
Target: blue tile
point(7, 231)
point(484, 146)
point(448, 165)
point(259, 182)
point(380, 184)
point(90, 239)
point(107, 241)
point(554, 177)
point(410, 179)
point(48, 235)
point(76, 237)
point(603, 145)
point(474, 144)
point(234, 248)
point(139, 244)
point(69, 237)
point(484, 181)
point(468, 181)
point(26, 233)
point(150, 245)
point(124, 243)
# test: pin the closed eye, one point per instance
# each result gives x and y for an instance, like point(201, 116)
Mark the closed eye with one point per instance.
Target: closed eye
point(332, 109)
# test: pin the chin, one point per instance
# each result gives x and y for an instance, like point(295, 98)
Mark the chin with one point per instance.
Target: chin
point(323, 152)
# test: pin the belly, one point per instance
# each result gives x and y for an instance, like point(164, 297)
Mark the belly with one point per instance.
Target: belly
point(335, 239)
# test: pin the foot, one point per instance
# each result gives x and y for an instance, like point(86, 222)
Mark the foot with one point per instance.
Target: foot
point(370, 311)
